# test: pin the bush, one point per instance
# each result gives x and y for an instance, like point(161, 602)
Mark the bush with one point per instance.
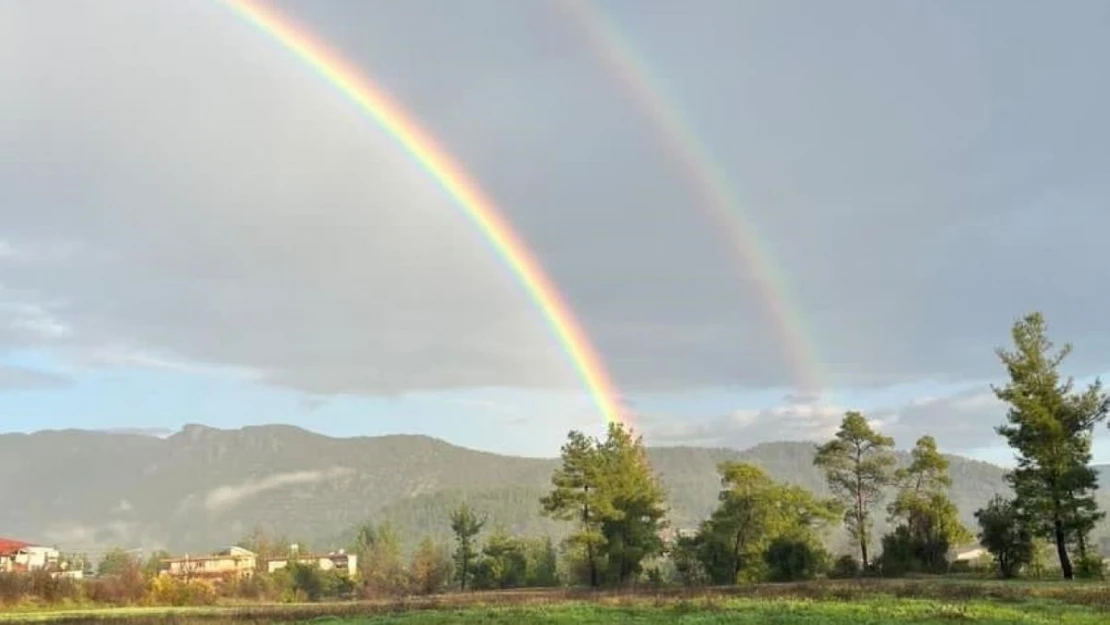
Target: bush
point(1090, 567)
point(127, 588)
point(845, 567)
point(791, 560)
point(13, 588)
point(166, 590)
point(257, 587)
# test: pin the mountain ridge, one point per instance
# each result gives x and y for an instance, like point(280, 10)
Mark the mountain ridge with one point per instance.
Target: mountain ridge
point(203, 487)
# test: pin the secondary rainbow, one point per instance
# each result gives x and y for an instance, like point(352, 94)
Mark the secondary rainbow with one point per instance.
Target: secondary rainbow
point(480, 210)
point(708, 179)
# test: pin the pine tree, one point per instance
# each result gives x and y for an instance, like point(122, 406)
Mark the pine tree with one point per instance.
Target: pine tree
point(1050, 426)
point(858, 464)
point(609, 490)
point(755, 512)
point(467, 525)
point(930, 522)
point(634, 502)
point(576, 496)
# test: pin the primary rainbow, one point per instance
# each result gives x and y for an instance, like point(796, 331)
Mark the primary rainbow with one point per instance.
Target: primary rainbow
point(709, 181)
point(467, 194)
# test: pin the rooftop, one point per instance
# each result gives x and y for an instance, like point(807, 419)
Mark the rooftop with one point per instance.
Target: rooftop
point(9, 546)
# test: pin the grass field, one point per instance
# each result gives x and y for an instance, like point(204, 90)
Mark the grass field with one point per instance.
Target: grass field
point(869, 602)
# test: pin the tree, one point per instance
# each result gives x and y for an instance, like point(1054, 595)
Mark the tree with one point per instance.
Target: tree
point(504, 562)
point(153, 564)
point(118, 562)
point(1004, 533)
point(792, 559)
point(753, 513)
point(380, 561)
point(929, 521)
point(858, 464)
point(543, 563)
point(608, 488)
point(466, 525)
point(1050, 426)
point(431, 567)
point(634, 513)
point(266, 545)
point(576, 497)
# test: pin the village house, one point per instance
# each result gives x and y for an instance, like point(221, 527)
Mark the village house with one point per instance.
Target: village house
point(335, 561)
point(22, 557)
point(230, 562)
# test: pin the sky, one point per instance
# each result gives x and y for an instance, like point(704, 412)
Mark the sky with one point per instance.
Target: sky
point(195, 227)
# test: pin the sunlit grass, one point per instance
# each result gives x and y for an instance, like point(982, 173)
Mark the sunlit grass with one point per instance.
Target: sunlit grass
point(859, 602)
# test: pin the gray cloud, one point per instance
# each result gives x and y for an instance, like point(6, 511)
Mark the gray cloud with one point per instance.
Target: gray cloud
point(216, 206)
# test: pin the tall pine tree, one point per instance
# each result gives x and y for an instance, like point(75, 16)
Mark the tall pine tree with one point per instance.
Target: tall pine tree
point(1050, 426)
point(610, 491)
point(858, 464)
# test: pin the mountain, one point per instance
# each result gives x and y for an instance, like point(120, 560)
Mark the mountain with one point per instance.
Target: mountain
point(202, 488)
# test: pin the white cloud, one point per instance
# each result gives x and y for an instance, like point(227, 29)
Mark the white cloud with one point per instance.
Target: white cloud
point(961, 422)
point(228, 496)
point(20, 378)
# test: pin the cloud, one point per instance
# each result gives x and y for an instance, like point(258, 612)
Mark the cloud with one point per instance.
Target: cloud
point(225, 497)
point(962, 422)
point(218, 207)
point(746, 428)
point(311, 403)
point(19, 378)
point(152, 432)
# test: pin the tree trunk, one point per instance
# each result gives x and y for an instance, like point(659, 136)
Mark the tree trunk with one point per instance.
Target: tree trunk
point(861, 527)
point(593, 564)
point(590, 557)
point(736, 545)
point(1062, 548)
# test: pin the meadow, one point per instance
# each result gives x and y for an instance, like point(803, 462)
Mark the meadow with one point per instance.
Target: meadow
point(858, 602)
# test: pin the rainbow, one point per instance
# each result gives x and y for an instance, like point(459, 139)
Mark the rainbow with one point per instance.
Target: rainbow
point(480, 210)
point(709, 181)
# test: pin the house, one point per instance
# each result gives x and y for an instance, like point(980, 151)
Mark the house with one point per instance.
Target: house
point(230, 562)
point(335, 561)
point(971, 555)
point(20, 557)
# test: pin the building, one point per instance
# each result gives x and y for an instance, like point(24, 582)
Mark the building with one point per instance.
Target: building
point(231, 562)
point(335, 561)
point(971, 555)
point(21, 557)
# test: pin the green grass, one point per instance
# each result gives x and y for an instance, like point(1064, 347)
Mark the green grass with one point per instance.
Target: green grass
point(830, 602)
point(752, 612)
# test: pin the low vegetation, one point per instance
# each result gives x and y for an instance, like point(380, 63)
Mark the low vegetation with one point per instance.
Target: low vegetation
point(613, 504)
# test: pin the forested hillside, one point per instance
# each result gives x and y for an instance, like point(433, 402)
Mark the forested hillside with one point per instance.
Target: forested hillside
point(205, 487)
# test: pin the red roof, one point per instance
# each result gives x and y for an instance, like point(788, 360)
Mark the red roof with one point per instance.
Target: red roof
point(9, 546)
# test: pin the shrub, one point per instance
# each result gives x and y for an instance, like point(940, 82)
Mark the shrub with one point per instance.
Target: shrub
point(845, 566)
point(1090, 567)
point(128, 587)
point(791, 559)
point(167, 590)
